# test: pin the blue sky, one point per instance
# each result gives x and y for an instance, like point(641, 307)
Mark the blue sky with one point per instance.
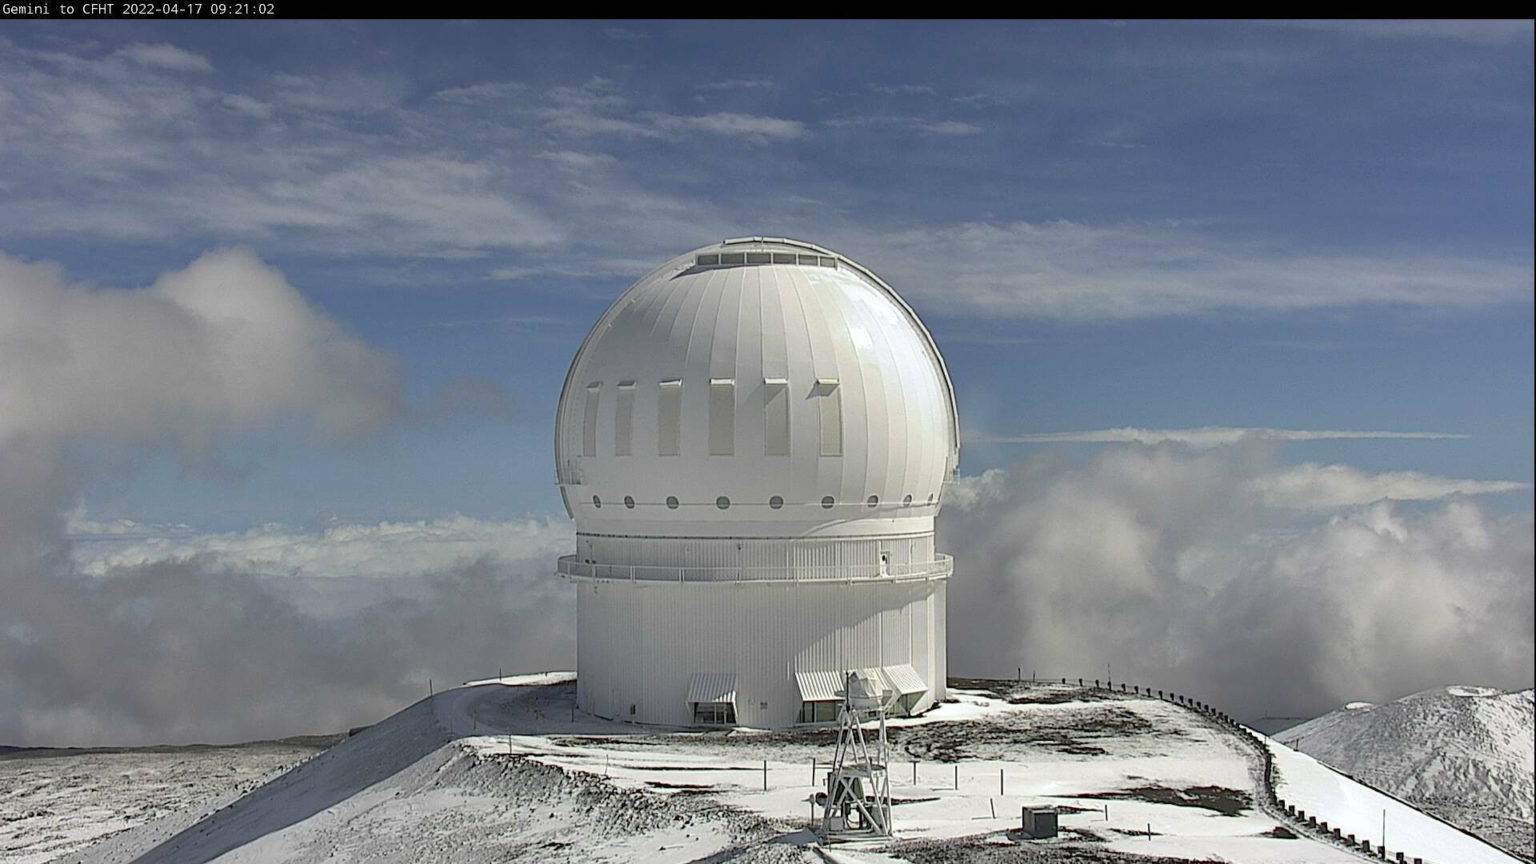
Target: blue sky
point(1152, 224)
point(1159, 226)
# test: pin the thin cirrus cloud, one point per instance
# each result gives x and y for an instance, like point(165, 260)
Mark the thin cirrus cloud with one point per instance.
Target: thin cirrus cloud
point(1323, 487)
point(1202, 436)
point(1306, 487)
point(297, 161)
point(165, 56)
point(1078, 271)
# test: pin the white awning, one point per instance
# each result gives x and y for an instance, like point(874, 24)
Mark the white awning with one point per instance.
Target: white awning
point(904, 679)
point(874, 673)
point(820, 686)
point(712, 687)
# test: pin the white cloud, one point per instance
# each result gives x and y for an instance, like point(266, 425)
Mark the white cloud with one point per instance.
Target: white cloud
point(352, 164)
point(733, 125)
point(384, 550)
point(345, 93)
point(225, 340)
point(1073, 270)
point(484, 92)
point(904, 122)
point(250, 107)
point(163, 55)
point(181, 628)
point(1200, 437)
point(904, 89)
point(578, 161)
point(1210, 573)
point(1323, 487)
point(625, 34)
point(403, 203)
point(737, 84)
point(952, 127)
point(967, 492)
point(1482, 32)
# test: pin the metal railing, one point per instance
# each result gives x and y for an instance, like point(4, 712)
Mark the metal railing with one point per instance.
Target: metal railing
point(940, 568)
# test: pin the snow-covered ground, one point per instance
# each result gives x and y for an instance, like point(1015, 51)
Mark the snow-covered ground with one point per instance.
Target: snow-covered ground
point(1466, 754)
point(508, 770)
point(54, 801)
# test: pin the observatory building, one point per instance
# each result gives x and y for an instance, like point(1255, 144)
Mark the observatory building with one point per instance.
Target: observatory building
point(753, 441)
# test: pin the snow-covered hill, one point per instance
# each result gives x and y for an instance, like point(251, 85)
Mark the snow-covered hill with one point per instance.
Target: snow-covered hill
point(1467, 754)
point(509, 770)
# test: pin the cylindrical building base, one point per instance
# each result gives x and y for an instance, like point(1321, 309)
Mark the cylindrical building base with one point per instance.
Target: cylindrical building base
point(762, 654)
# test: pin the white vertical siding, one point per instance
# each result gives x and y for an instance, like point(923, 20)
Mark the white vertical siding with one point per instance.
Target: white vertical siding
point(641, 643)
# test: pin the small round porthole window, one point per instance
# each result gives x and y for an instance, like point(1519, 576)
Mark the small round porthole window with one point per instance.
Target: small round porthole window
point(629, 502)
point(907, 501)
point(776, 502)
point(874, 501)
point(827, 502)
point(597, 502)
point(671, 502)
point(723, 503)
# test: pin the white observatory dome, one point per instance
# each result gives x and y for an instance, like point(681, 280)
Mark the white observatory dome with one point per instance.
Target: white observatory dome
point(753, 441)
point(752, 388)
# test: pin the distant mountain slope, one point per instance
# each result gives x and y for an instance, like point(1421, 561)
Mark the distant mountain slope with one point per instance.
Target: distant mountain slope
point(1466, 754)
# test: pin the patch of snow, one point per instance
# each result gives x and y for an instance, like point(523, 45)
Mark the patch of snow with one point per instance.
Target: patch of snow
point(1371, 815)
point(1467, 754)
point(510, 770)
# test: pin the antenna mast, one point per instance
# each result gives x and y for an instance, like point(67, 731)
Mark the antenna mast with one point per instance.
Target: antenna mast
point(858, 795)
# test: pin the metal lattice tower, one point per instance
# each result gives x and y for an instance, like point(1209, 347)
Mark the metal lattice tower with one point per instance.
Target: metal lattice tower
point(858, 795)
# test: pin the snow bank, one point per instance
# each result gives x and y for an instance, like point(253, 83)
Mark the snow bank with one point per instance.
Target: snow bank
point(1359, 810)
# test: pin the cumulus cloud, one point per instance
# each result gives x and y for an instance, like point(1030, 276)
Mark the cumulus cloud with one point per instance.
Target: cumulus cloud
point(1199, 437)
point(1224, 574)
point(113, 631)
point(224, 340)
point(968, 492)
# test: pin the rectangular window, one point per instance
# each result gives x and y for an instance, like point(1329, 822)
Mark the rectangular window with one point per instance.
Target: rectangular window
point(776, 417)
point(714, 713)
point(819, 711)
point(831, 416)
point(669, 413)
point(589, 422)
point(722, 417)
point(624, 419)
